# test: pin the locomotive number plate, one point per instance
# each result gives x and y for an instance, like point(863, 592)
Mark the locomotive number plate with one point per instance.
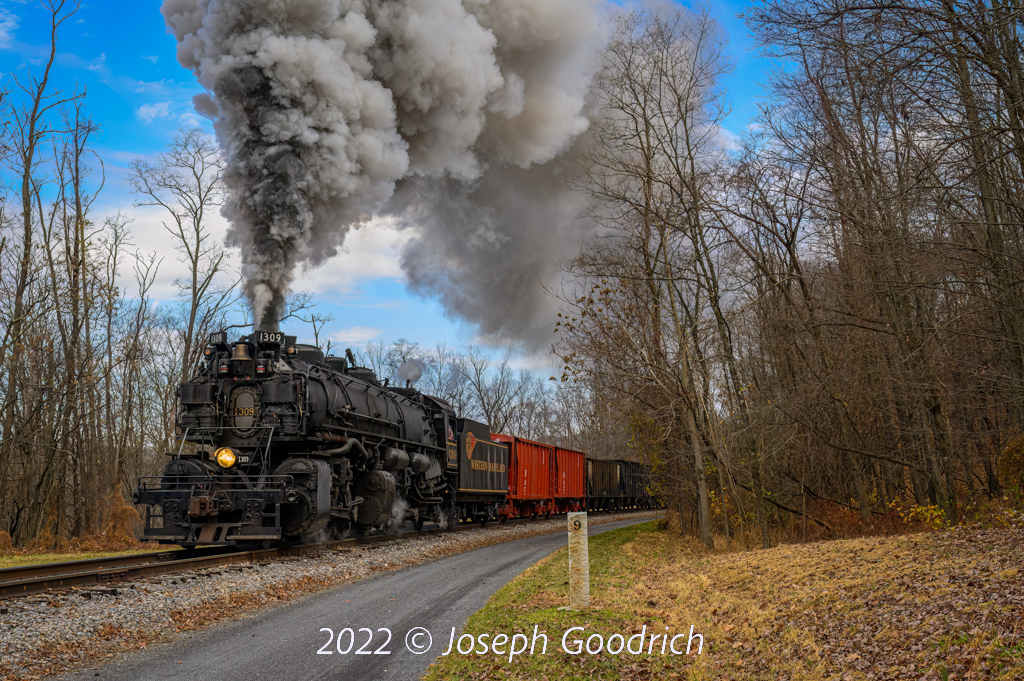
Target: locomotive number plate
point(271, 337)
point(244, 458)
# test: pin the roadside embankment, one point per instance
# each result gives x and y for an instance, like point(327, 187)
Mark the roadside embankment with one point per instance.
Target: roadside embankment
point(945, 605)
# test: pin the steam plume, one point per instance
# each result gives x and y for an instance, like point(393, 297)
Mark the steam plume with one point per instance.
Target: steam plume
point(411, 370)
point(325, 107)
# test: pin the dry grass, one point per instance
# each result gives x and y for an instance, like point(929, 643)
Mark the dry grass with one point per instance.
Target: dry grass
point(22, 559)
point(116, 537)
point(939, 606)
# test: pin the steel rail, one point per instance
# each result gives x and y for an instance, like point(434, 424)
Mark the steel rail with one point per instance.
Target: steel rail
point(36, 579)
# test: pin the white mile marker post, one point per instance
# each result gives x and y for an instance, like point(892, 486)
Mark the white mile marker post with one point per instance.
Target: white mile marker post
point(579, 562)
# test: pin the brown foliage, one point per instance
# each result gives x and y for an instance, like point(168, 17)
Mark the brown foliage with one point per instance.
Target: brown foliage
point(1011, 466)
point(117, 533)
point(6, 546)
point(47, 542)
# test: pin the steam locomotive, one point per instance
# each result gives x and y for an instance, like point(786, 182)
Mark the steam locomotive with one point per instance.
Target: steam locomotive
point(280, 443)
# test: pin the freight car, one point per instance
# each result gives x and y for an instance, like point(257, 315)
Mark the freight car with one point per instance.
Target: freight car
point(543, 479)
point(603, 485)
point(617, 485)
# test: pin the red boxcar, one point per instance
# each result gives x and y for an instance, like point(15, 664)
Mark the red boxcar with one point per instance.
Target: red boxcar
point(542, 479)
point(571, 473)
point(530, 476)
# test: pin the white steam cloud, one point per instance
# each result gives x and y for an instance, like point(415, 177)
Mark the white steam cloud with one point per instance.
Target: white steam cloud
point(411, 370)
point(453, 115)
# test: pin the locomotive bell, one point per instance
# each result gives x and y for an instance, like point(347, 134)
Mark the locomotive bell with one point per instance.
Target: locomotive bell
point(241, 361)
point(241, 353)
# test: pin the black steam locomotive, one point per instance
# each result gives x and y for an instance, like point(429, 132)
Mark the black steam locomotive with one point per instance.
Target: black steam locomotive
point(278, 442)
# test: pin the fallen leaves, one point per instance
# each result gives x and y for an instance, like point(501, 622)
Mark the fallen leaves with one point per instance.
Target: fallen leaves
point(942, 606)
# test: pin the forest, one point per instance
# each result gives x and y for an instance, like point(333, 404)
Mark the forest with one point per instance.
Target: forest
point(819, 328)
point(808, 330)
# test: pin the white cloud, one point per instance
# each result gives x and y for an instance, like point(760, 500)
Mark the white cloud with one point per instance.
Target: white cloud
point(162, 86)
point(149, 236)
point(99, 63)
point(190, 120)
point(150, 112)
point(370, 252)
point(151, 57)
point(8, 25)
point(541, 362)
point(355, 335)
point(726, 139)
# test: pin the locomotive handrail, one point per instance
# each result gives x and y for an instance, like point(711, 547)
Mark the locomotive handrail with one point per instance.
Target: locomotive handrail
point(184, 436)
point(175, 482)
point(266, 448)
point(372, 419)
point(184, 483)
point(265, 465)
point(380, 436)
point(263, 477)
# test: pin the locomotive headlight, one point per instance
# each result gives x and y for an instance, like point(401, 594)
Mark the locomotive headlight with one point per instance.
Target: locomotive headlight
point(225, 457)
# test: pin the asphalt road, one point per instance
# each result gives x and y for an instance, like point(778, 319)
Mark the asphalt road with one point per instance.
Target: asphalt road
point(281, 644)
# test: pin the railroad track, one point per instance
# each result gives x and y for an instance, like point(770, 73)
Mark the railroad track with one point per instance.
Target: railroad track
point(100, 572)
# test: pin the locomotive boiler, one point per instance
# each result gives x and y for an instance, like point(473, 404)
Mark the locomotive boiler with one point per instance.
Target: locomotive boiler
point(278, 442)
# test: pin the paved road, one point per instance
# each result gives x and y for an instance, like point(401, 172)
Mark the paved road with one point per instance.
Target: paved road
point(281, 643)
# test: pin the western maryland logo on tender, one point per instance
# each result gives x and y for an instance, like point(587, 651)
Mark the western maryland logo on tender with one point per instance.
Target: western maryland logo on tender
point(470, 444)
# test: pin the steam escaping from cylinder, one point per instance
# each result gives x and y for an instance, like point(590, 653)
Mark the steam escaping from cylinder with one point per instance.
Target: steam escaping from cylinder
point(331, 111)
point(399, 513)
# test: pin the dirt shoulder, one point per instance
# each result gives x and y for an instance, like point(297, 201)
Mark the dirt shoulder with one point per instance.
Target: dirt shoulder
point(944, 605)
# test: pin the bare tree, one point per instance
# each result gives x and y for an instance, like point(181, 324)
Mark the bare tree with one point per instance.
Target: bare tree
point(446, 377)
point(652, 277)
point(185, 182)
point(29, 129)
point(497, 388)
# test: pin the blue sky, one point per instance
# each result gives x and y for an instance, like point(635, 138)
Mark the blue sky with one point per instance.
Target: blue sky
point(121, 54)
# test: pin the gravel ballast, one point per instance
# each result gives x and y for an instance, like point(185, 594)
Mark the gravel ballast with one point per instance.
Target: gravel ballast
point(43, 635)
